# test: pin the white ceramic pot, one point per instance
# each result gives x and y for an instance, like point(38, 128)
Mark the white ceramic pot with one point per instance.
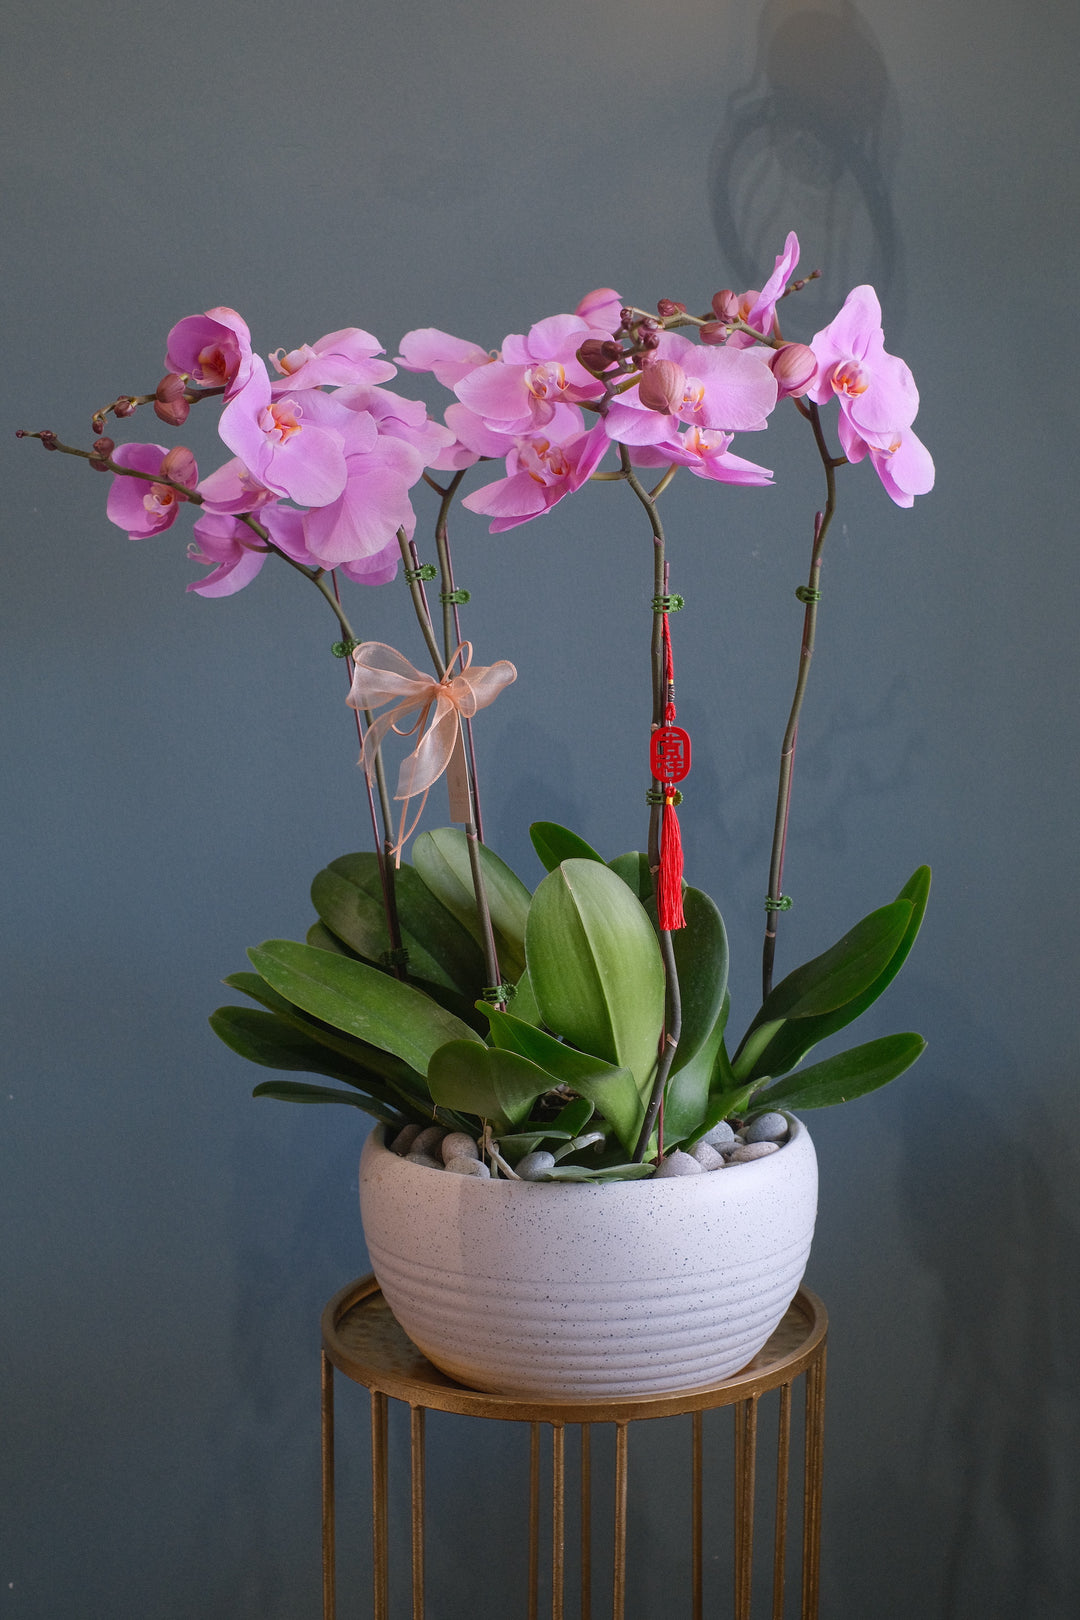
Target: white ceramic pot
point(633, 1287)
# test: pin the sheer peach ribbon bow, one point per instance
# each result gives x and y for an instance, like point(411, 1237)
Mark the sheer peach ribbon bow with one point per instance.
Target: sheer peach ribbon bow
point(383, 675)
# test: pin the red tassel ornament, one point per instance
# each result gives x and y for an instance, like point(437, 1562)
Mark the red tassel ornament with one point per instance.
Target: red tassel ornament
point(670, 759)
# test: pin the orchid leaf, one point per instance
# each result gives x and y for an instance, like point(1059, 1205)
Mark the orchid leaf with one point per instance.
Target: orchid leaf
point(296, 1091)
point(361, 1053)
point(441, 858)
point(611, 1090)
point(596, 968)
point(777, 1050)
point(482, 1080)
point(701, 963)
point(607, 1172)
point(323, 940)
point(633, 868)
point(348, 897)
point(849, 1074)
point(359, 999)
point(555, 844)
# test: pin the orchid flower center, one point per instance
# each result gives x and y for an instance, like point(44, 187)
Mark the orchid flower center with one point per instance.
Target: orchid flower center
point(545, 463)
point(160, 499)
point(281, 420)
point(693, 394)
point(545, 381)
point(292, 361)
point(850, 378)
point(214, 367)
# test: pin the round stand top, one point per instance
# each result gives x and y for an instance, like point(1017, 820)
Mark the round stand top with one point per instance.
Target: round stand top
point(363, 1340)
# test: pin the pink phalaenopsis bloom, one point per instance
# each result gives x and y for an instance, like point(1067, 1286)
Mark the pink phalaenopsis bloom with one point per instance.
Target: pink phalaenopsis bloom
point(341, 359)
point(602, 308)
point(705, 453)
point(361, 524)
point(213, 349)
point(287, 443)
point(537, 372)
point(901, 460)
point(238, 552)
point(875, 390)
point(539, 473)
point(141, 507)
point(758, 309)
point(723, 389)
point(448, 358)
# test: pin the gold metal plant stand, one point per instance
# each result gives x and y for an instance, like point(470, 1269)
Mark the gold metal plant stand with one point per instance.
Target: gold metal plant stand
point(363, 1340)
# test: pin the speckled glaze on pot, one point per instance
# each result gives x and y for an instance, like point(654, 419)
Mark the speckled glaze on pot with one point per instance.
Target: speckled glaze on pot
point(636, 1287)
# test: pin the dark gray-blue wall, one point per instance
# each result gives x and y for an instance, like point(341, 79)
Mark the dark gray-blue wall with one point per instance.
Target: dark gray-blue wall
point(175, 770)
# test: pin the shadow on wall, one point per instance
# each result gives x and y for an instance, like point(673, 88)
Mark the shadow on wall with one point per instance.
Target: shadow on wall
point(810, 144)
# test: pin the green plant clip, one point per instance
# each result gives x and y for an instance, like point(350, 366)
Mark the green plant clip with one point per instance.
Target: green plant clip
point(668, 604)
point(425, 571)
point(784, 903)
point(806, 593)
point(454, 598)
point(342, 649)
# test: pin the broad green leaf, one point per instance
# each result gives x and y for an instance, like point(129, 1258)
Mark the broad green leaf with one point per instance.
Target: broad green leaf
point(322, 939)
point(296, 1091)
point(849, 1074)
point(789, 1043)
point(442, 860)
point(595, 967)
point(609, 1172)
point(687, 1093)
point(701, 963)
point(266, 1039)
point(481, 1080)
point(612, 1091)
point(357, 998)
point(524, 1002)
point(348, 897)
point(633, 868)
point(574, 1117)
point(361, 1053)
point(555, 844)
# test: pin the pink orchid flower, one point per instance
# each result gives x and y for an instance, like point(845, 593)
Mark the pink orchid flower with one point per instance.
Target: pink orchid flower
point(901, 461)
point(602, 308)
point(288, 444)
point(875, 390)
point(758, 309)
point(142, 508)
point(338, 360)
point(537, 372)
point(726, 389)
point(213, 349)
point(236, 550)
point(362, 522)
point(447, 357)
point(539, 474)
point(232, 489)
point(706, 452)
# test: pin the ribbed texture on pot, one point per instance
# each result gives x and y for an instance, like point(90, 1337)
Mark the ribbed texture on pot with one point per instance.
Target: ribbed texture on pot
point(632, 1288)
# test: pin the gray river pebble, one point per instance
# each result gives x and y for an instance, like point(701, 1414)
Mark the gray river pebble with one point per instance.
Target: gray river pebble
point(464, 1166)
point(428, 1139)
point(752, 1150)
point(426, 1160)
point(405, 1138)
point(458, 1145)
point(707, 1156)
point(679, 1164)
point(771, 1127)
point(534, 1165)
point(721, 1136)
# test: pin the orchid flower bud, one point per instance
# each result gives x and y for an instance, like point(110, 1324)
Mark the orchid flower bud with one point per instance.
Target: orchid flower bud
point(598, 355)
point(662, 386)
point(104, 448)
point(726, 305)
point(169, 401)
point(179, 465)
point(793, 365)
point(713, 332)
point(668, 307)
point(124, 406)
